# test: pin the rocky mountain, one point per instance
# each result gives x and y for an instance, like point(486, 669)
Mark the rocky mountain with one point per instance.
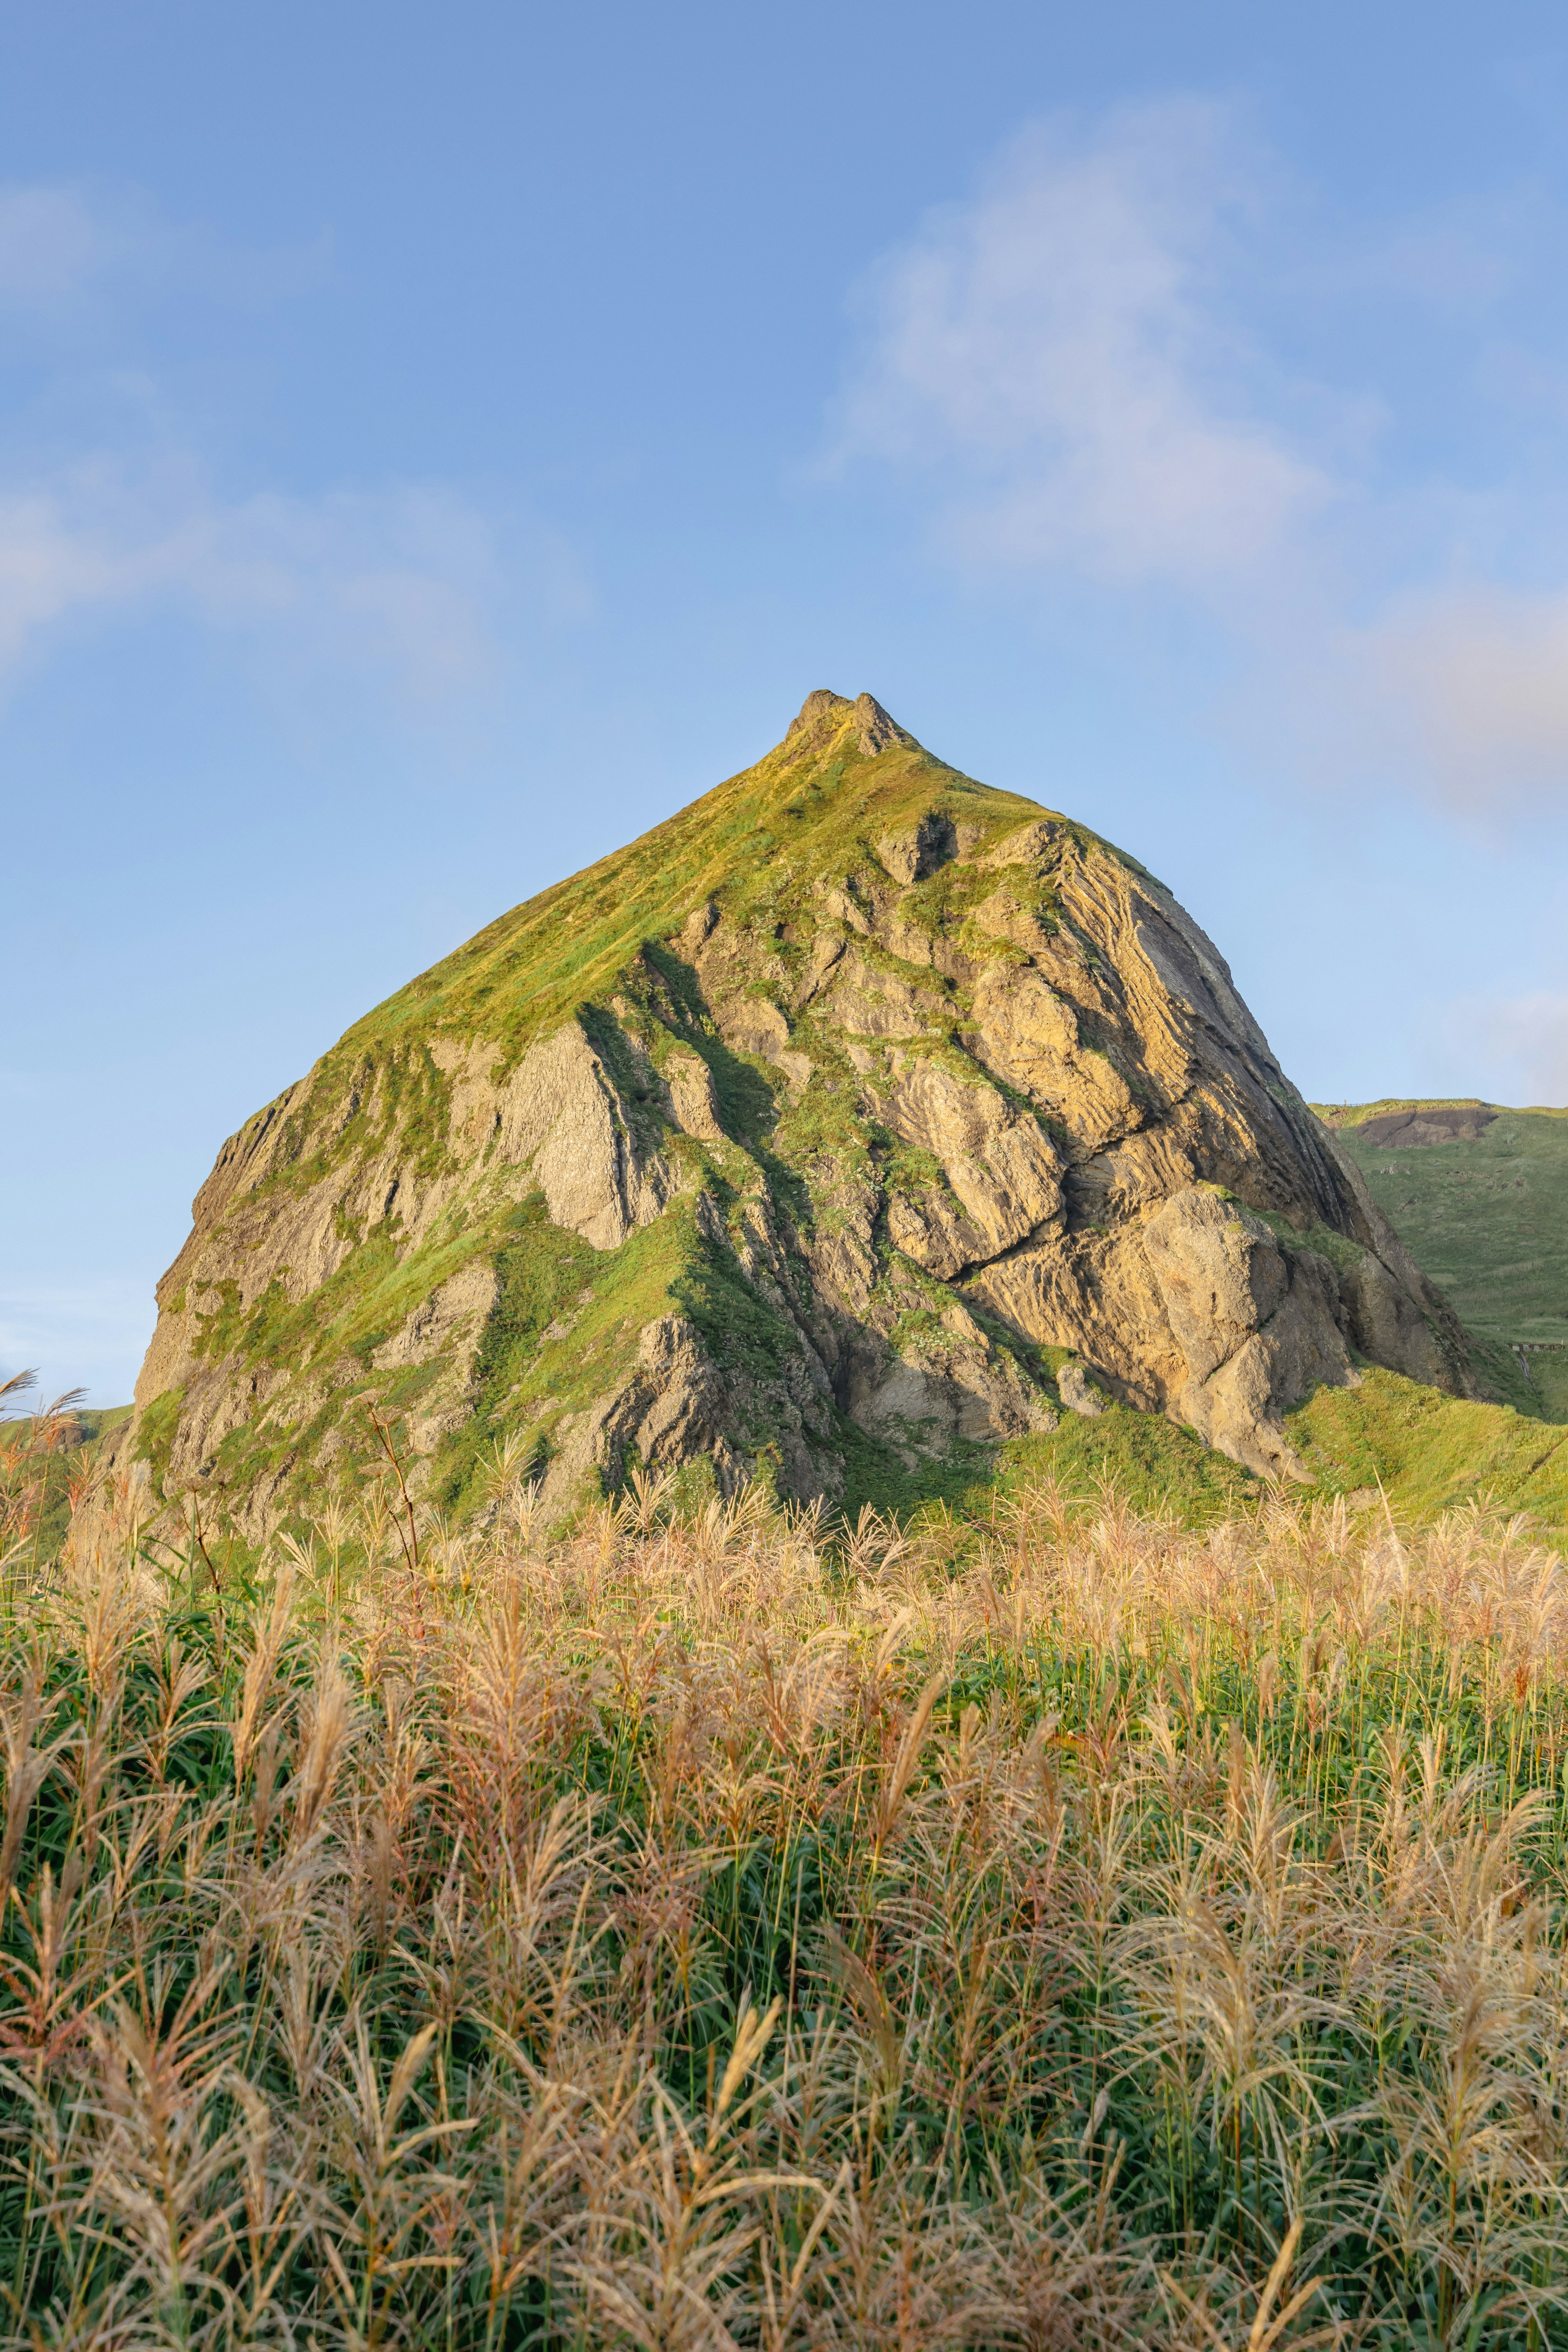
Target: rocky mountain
point(860, 1111)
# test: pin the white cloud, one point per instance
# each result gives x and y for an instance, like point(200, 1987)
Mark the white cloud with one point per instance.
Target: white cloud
point(52, 240)
point(1472, 688)
point(1055, 348)
point(67, 247)
point(1059, 363)
point(401, 576)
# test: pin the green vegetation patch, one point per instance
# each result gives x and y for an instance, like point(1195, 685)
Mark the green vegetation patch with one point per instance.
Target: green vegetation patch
point(1432, 1452)
point(1487, 1220)
point(959, 1477)
point(155, 1435)
point(1344, 1255)
point(1429, 1452)
point(355, 1311)
point(1154, 1464)
point(810, 812)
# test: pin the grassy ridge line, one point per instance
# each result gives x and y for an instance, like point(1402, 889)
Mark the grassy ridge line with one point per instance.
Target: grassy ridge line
point(1489, 1221)
point(1354, 1115)
point(672, 1935)
point(755, 841)
point(81, 1423)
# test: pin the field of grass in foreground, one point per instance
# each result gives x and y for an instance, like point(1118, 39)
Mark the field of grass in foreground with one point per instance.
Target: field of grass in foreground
point(1068, 1931)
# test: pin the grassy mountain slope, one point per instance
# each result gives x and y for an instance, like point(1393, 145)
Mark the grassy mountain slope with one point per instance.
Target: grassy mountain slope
point(1488, 1219)
point(758, 842)
point(1428, 1452)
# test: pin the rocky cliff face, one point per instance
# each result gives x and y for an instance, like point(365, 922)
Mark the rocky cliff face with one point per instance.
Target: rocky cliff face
point(859, 1107)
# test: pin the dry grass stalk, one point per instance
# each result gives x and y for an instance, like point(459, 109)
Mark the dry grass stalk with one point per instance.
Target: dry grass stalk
point(1074, 1932)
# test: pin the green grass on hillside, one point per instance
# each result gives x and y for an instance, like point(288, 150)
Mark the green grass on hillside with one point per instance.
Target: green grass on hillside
point(1154, 1464)
point(757, 843)
point(1432, 1452)
point(1428, 1452)
point(1489, 1221)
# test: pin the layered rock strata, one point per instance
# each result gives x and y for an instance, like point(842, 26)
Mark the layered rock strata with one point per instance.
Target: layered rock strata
point(859, 1106)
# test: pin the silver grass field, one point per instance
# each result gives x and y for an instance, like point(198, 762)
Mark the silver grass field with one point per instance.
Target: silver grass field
point(718, 1929)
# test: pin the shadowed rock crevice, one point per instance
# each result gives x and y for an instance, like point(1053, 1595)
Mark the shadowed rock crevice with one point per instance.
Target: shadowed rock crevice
point(825, 1118)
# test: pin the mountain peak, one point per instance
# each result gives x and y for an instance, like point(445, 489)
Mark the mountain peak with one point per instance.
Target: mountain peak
point(817, 704)
point(800, 1137)
point(876, 728)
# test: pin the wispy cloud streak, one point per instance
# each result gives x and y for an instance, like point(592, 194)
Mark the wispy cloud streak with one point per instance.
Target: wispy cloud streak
point(402, 575)
point(1053, 351)
point(1084, 371)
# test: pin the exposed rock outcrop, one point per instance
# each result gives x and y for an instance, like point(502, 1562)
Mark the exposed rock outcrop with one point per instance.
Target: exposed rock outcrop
point(827, 1116)
point(1259, 1327)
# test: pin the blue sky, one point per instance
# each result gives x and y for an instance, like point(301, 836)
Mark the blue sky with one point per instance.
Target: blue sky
point(437, 443)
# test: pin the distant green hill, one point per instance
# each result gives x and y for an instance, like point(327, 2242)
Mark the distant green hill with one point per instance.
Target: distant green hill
point(1480, 1194)
point(94, 1421)
point(77, 1428)
point(43, 1456)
